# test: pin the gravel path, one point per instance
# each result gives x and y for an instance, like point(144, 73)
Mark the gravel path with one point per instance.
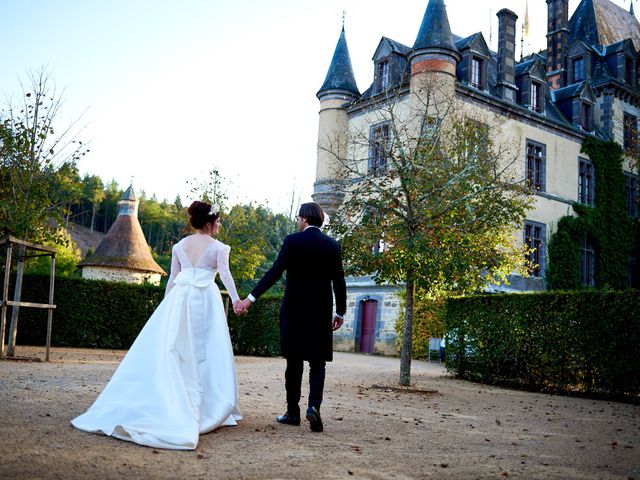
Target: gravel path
point(372, 429)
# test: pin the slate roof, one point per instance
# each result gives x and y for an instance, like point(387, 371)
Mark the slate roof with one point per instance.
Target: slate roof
point(602, 22)
point(524, 67)
point(397, 47)
point(567, 92)
point(129, 194)
point(435, 31)
point(340, 75)
point(462, 43)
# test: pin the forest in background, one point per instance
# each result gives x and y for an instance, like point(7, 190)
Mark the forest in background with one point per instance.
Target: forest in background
point(254, 231)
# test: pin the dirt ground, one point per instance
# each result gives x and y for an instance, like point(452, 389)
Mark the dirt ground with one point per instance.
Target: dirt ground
point(372, 431)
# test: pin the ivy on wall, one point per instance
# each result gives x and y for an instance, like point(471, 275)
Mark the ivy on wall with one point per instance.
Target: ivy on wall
point(606, 225)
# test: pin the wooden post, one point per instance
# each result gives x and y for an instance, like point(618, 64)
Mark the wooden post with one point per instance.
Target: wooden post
point(52, 277)
point(15, 311)
point(5, 297)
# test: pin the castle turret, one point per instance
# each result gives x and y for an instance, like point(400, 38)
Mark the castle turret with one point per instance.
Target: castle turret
point(338, 91)
point(434, 57)
point(123, 254)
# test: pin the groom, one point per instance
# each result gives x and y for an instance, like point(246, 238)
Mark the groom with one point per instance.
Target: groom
point(314, 268)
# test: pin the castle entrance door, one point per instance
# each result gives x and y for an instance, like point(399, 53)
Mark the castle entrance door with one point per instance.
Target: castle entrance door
point(369, 315)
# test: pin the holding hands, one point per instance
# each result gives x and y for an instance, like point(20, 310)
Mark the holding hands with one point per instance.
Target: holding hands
point(240, 307)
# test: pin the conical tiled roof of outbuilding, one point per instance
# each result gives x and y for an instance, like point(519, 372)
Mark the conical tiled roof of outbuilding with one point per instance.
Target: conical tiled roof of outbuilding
point(124, 246)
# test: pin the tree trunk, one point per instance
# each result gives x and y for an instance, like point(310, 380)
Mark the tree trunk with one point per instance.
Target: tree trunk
point(405, 353)
point(15, 311)
point(106, 218)
point(93, 216)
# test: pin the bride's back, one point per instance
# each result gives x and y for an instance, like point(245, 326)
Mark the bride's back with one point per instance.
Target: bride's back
point(195, 247)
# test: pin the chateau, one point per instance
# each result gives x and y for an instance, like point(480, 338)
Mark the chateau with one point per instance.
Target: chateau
point(585, 84)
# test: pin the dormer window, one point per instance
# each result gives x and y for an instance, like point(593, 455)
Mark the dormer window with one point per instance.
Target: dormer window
point(629, 70)
point(585, 116)
point(535, 96)
point(477, 79)
point(382, 79)
point(578, 70)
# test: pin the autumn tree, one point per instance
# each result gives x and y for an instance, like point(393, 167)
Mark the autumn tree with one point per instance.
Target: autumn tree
point(94, 194)
point(253, 232)
point(430, 199)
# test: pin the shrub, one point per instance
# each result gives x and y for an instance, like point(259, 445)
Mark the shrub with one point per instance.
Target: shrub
point(98, 314)
point(582, 342)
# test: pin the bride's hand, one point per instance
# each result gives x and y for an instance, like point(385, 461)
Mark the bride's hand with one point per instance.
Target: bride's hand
point(237, 307)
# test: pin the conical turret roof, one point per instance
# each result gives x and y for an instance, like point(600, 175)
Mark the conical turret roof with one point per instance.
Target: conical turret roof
point(340, 75)
point(124, 246)
point(129, 194)
point(435, 31)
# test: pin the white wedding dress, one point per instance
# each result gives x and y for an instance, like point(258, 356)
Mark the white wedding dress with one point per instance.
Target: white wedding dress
point(178, 379)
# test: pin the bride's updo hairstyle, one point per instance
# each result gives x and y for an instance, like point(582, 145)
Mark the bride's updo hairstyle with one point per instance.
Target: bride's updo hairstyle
point(201, 213)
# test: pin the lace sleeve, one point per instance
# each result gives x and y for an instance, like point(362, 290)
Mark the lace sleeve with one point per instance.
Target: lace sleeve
point(175, 270)
point(225, 273)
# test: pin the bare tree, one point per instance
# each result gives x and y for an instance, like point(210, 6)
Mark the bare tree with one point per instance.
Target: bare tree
point(36, 161)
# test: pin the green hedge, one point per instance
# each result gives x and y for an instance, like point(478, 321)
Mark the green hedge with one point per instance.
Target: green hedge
point(97, 314)
point(581, 342)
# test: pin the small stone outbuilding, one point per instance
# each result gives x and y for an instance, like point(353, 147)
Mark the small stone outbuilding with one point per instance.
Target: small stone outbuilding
point(123, 255)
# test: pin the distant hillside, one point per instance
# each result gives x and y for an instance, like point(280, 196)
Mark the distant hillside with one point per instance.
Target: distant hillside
point(84, 238)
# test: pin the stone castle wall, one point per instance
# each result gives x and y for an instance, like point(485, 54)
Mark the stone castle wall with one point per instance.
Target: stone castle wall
point(120, 275)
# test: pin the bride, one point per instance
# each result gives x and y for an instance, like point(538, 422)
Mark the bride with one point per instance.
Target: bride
point(178, 379)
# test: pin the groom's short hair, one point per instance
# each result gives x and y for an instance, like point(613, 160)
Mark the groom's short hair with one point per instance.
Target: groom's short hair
point(313, 213)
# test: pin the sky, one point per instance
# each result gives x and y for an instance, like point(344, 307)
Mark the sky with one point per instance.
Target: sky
point(167, 90)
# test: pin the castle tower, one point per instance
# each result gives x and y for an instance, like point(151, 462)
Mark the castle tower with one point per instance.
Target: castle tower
point(338, 91)
point(557, 41)
point(434, 57)
point(123, 255)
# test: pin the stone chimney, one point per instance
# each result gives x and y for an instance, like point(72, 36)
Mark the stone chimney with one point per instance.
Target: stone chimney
point(557, 41)
point(507, 54)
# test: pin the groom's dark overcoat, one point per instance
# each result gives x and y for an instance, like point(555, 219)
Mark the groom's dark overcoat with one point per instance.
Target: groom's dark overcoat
point(313, 263)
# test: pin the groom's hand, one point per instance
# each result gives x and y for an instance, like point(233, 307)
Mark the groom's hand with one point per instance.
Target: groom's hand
point(337, 322)
point(244, 305)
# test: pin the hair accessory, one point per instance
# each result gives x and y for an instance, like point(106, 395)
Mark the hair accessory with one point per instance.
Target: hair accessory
point(214, 209)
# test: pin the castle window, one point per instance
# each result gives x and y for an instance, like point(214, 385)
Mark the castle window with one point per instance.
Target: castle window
point(633, 196)
point(587, 264)
point(629, 70)
point(379, 149)
point(536, 159)
point(578, 70)
point(586, 181)
point(585, 116)
point(630, 132)
point(534, 241)
point(382, 78)
point(535, 96)
point(476, 73)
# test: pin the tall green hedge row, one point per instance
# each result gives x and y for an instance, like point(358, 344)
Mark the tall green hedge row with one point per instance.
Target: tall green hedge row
point(583, 342)
point(97, 314)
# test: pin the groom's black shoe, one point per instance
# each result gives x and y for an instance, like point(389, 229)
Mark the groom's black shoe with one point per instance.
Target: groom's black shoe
point(288, 419)
point(315, 422)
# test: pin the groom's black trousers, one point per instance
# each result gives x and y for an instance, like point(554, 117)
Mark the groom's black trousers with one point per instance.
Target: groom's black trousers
point(293, 383)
